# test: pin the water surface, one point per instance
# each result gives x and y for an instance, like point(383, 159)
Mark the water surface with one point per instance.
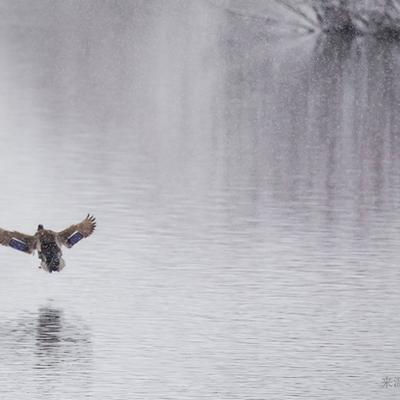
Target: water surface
point(246, 187)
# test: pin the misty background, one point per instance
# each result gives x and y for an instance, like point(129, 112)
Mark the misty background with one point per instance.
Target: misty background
point(245, 178)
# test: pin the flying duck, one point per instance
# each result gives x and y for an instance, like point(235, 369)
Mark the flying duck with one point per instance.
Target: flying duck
point(48, 243)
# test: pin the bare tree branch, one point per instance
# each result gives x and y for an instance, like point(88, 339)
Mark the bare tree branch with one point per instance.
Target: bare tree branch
point(297, 11)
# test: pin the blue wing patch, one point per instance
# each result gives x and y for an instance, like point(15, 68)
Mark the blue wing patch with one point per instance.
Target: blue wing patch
point(74, 238)
point(18, 245)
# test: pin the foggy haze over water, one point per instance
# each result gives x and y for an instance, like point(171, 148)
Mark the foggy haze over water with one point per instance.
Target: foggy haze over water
point(246, 186)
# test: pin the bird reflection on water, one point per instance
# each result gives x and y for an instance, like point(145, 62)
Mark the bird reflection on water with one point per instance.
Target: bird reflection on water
point(58, 340)
point(48, 336)
point(44, 347)
point(61, 345)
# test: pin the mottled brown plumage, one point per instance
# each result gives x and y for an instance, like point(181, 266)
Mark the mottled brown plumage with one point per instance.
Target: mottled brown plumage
point(48, 243)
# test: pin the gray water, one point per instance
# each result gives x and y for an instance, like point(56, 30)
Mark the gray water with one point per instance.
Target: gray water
point(247, 191)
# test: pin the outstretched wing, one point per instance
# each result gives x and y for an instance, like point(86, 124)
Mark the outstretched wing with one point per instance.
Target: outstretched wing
point(18, 241)
point(72, 235)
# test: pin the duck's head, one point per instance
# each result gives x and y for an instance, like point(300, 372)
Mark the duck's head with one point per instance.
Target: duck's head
point(40, 227)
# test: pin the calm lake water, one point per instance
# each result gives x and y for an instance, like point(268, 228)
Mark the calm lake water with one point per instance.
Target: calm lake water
point(247, 191)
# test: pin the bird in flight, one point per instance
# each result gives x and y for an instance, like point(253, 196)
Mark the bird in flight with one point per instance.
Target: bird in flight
point(48, 243)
